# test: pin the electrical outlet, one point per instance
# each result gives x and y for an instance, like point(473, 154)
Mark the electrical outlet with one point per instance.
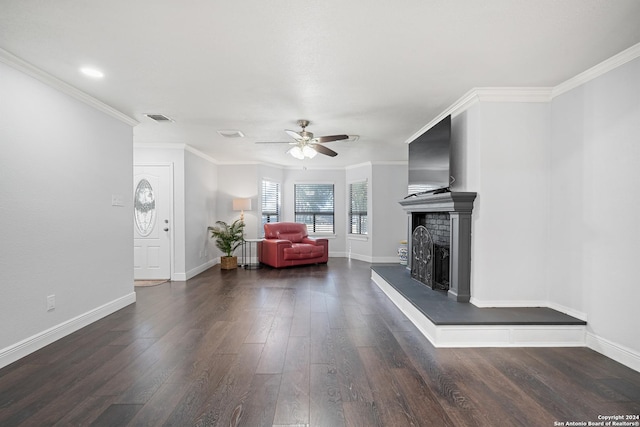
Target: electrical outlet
point(51, 302)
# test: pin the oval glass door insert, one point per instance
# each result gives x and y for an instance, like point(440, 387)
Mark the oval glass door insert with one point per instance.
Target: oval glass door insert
point(144, 207)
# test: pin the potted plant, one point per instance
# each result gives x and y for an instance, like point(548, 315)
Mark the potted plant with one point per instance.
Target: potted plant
point(228, 238)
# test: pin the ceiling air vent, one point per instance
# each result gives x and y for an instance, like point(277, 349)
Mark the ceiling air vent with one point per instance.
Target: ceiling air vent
point(160, 118)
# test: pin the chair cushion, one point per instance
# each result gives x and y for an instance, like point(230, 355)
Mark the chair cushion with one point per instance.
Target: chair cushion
point(292, 237)
point(303, 251)
point(292, 231)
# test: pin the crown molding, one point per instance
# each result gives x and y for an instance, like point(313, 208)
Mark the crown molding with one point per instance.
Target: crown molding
point(604, 67)
point(160, 145)
point(488, 94)
point(201, 154)
point(358, 165)
point(389, 163)
point(29, 69)
point(513, 94)
point(530, 94)
point(174, 146)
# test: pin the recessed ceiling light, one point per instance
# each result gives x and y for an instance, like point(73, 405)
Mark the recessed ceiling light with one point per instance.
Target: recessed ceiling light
point(231, 133)
point(92, 72)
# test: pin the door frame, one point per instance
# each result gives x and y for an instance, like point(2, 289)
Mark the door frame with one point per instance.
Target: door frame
point(171, 210)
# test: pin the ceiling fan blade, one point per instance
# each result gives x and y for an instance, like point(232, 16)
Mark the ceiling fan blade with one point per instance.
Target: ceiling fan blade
point(324, 150)
point(330, 138)
point(293, 134)
point(274, 142)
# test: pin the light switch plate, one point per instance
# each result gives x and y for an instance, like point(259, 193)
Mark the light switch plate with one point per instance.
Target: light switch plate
point(117, 200)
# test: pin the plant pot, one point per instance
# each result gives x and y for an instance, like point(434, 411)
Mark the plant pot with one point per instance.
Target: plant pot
point(228, 262)
point(403, 252)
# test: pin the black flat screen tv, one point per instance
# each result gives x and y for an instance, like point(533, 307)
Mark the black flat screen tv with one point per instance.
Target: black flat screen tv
point(429, 156)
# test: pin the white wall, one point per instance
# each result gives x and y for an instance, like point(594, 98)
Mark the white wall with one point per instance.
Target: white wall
point(200, 196)
point(388, 220)
point(239, 181)
point(555, 222)
point(61, 162)
point(594, 231)
point(506, 161)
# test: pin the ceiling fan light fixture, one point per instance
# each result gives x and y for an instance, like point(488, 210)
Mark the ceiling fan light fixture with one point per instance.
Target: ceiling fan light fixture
point(297, 152)
point(309, 152)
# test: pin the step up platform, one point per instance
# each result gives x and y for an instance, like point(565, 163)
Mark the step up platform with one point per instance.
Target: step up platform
point(448, 323)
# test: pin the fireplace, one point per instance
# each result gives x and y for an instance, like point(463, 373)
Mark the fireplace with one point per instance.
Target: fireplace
point(439, 241)
point(430, 249)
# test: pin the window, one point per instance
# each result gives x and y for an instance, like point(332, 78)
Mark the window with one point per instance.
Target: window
point(314, 207)
point(358, 208)
point(270, 202)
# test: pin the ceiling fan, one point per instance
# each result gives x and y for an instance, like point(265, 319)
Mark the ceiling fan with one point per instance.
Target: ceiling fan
point(306, 145)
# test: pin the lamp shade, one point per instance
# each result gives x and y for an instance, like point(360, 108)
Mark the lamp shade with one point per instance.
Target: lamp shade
point(241, 204)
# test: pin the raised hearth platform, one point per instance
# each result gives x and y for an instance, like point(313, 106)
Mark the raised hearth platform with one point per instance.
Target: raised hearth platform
point(448, 323)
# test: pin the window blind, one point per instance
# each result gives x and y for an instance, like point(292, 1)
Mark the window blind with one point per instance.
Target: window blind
point(314, 206)
point(358, 207)
point(270, 202)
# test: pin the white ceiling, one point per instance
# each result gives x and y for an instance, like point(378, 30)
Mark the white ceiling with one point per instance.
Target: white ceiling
point(374, 68)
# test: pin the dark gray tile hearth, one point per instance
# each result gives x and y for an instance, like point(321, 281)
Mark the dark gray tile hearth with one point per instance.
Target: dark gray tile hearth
point(442, 310)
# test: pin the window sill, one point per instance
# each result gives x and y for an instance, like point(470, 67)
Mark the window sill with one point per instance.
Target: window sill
point(322, 236)
point(359, 237)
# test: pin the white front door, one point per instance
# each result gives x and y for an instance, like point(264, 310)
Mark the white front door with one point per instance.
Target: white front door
point(152, 222)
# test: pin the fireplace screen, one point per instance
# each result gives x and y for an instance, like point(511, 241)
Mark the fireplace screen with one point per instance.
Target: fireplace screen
point(422, 255)
point(430, 260)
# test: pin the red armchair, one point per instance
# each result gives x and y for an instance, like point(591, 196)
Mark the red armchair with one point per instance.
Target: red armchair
point(287, 243)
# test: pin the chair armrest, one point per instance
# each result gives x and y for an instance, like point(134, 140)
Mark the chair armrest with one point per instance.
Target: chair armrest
point(317, 242)
point(272, 251)
point(312, 241)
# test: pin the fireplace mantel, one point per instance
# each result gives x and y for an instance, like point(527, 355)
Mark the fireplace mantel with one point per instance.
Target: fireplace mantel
point(459, 205)
point(457, 201)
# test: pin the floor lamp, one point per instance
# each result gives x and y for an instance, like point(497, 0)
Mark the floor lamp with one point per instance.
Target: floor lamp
point(242, 205)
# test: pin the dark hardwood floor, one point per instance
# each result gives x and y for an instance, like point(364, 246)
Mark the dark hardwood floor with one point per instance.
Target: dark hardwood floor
point(317, 346)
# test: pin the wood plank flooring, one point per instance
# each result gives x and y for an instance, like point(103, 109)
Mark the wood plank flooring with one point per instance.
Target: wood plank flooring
point(308, 346)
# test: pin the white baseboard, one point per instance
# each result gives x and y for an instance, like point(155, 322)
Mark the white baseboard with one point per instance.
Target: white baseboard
point(338, 254)
point(484, 335)
point(374, 260)
point(617, 352)
point(386, 259)
point(27, 346)
point(359, 257)
point(568, 311)
point(203, 267)
point(179, 277)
